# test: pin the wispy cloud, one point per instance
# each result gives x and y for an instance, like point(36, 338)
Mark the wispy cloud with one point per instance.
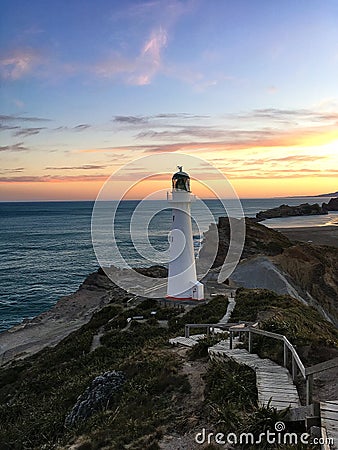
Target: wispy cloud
point(130, 120)
point(52, 178)
point(81, 127)
point(83, 167)
point(28, 131)
point(138, 70)
point(19, 63)
point(12, 170)
point(78, 128)
point(4, 127)
point(141, 120)
point(16, 118)
point(18, 147)
point(236, 140)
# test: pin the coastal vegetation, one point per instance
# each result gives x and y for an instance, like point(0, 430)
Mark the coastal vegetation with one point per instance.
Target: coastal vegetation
point(37, 393)
point(315, 338)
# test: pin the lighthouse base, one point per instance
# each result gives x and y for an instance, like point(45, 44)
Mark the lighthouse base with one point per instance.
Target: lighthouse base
point(196, 292)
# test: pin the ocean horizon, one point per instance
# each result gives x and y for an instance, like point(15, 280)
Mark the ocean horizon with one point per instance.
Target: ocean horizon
point(46, 249)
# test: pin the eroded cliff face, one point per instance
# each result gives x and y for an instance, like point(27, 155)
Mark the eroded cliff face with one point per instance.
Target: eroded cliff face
point(259, 240)
point(314, 268)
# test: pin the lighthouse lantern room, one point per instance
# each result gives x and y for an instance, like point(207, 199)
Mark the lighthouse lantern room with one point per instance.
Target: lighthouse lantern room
point(182, 277)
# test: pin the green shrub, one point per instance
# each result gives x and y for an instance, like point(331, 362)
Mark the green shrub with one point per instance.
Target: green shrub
point(210, 312)
point(200, 350)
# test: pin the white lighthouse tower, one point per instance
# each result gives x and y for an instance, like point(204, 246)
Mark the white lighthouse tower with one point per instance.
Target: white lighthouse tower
point(182, 278)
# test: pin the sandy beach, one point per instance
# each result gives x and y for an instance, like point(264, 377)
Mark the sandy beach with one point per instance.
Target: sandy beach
point(327, 235)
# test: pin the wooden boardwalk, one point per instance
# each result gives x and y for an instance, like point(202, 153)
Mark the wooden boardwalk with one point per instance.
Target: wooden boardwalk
point(186, 342)
point(193, 339)
point(329, 421)
point(274, 382)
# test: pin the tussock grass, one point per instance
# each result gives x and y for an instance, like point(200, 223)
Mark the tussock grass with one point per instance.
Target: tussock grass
point(37, 393)
point(315, 338)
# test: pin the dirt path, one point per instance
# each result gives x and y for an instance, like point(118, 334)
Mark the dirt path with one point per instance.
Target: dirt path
point(193, 410)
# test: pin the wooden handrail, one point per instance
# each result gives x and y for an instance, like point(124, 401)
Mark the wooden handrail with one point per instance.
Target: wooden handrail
point(307, 372)
point(326, 365)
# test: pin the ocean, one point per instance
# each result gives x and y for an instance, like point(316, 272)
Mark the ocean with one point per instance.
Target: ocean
point(46, 249)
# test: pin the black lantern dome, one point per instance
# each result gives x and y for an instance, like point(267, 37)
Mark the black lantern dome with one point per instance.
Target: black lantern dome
point(181, 181)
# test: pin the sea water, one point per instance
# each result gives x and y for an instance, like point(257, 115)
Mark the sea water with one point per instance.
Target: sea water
point(46, 249)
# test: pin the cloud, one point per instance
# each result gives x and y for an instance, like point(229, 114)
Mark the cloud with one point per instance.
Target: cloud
point(15, 118)
point(139, 70)
point(289, 115)
point(13, 170)
point(19, 147)
point(240, 140)
point(19, 63)
point(28, 131)
point(130, 120)
point(8, 127)
point(157, 119)
point(52, 178)
point(81, 127)
point(84, 166)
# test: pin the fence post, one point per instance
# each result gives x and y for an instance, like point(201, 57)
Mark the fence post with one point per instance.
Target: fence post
point(186, 331)
point(285, 355)
point(309, 387)
point(231, 335)
point(294, 368)
point(250, 342)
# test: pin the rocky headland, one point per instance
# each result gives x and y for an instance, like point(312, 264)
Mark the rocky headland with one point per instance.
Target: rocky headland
point(332, 205)
point(304, 209)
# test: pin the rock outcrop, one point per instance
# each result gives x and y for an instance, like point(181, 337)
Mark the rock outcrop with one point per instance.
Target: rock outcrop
point(305, 209)
point(259, 240)
point(332, 205)
point(96, 397)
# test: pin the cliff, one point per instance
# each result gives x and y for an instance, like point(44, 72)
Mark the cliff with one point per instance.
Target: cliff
point(270, 260)
point(258, 240)
point(332, 205)
point(314, 269)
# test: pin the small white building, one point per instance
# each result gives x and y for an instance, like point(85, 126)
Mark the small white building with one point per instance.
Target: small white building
point(182, 278)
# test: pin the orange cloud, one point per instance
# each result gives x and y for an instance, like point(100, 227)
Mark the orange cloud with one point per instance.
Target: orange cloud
point(304, 137)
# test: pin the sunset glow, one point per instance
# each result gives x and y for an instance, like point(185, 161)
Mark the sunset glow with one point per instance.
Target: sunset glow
point(90, 87)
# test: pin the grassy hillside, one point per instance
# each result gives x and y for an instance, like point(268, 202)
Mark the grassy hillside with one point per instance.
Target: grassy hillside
point(315, 338)
point(37, 393)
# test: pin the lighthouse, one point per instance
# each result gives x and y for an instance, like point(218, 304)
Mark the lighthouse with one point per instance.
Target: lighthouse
point(182, 277)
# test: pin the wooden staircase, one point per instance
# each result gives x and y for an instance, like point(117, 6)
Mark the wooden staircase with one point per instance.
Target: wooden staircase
point(274, 383)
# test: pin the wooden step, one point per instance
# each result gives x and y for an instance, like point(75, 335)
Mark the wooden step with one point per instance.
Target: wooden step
point(273, 381)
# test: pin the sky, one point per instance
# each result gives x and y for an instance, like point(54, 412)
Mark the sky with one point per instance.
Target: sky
point(88, 87)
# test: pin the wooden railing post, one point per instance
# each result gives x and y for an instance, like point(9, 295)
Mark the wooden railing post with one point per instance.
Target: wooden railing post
point(294, 369)
point(231, 336)
point(186, 331)
point(309, 388)
point(250, 342)
point(285, 355)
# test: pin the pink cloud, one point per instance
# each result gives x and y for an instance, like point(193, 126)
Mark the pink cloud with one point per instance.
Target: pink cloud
point(19, 63)
point(140, 70)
